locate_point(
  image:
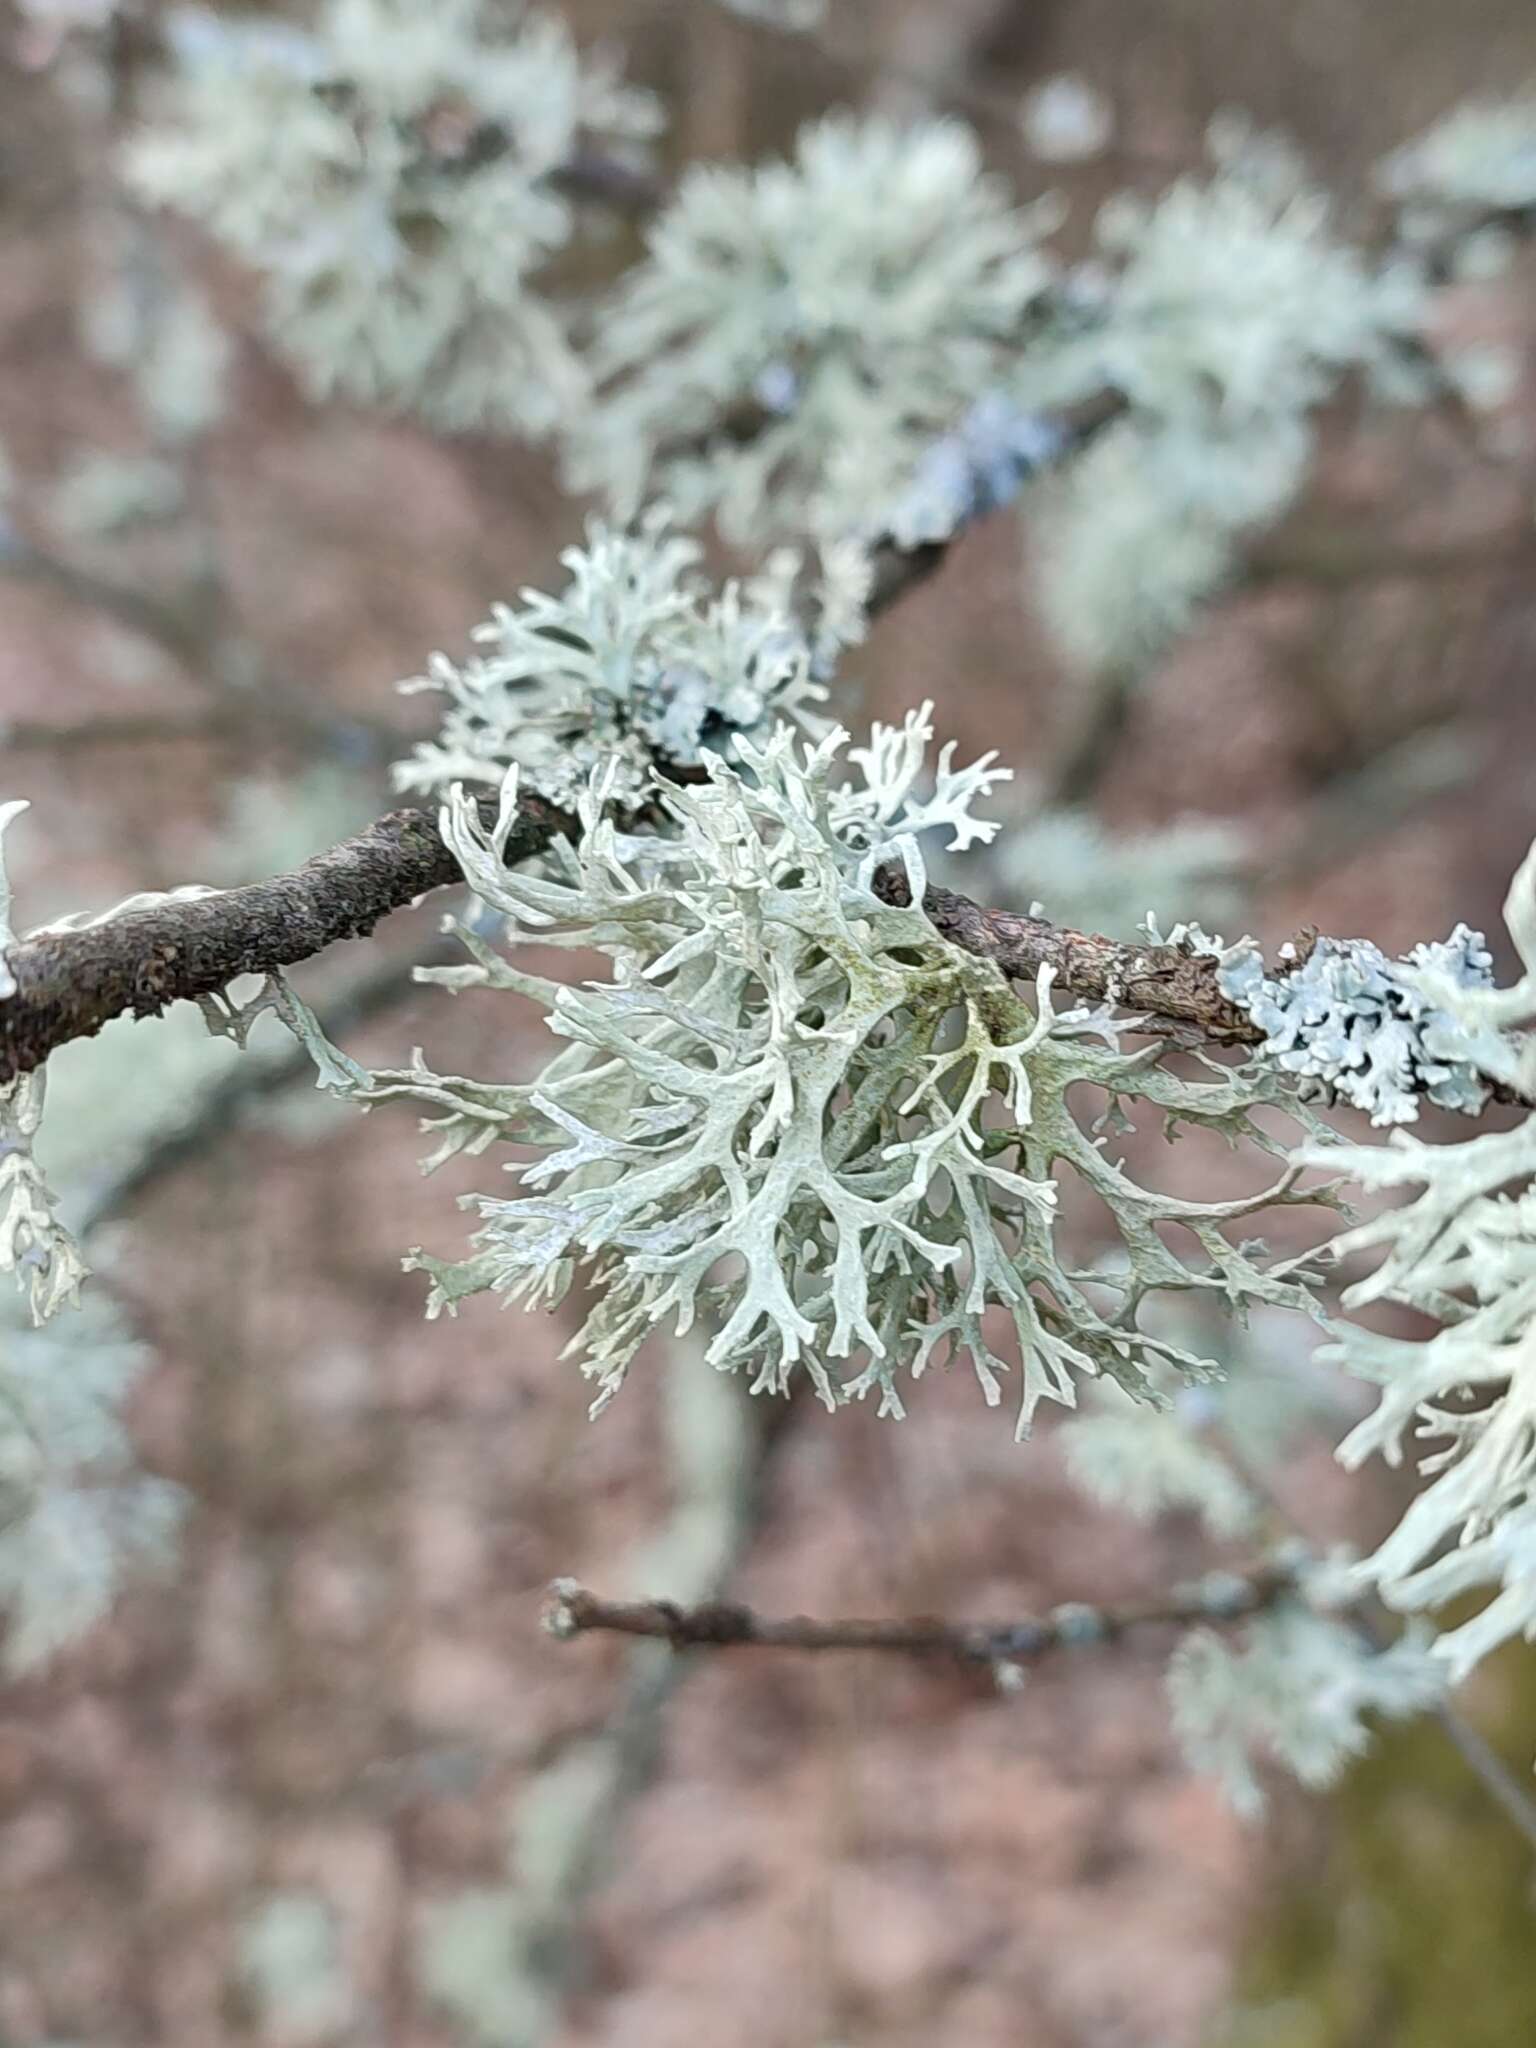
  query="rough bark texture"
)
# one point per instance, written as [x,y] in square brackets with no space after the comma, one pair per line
[70,983]
[1157,981]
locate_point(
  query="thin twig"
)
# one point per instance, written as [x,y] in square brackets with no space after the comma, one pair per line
[1222,1596]
[222,663]
[166,624]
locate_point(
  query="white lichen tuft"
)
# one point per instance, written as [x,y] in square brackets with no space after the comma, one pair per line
[1369,1028]
[1295,1692]
[638,659]
[1236,290]
[1475,164]
[392,175]
[1222,312]
[800,331]
[798,1108]
[1463,1252]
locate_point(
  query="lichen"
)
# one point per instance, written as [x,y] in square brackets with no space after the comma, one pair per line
[391,176]
[1365,1026]
[637,662]
[853,302]
[798,1107]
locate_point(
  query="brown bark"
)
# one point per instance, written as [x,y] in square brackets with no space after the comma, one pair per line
[1156,981]
[70,983]
[571,1610]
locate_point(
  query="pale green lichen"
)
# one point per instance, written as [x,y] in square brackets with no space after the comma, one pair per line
[1223,311]
[1147,525]
[1294,1691]
[1366,1027]
[34,1245]
[77,1516]
[1238,289]
[797,1107]
[392,175]
[853,301]
[1477,161]
[292,1963]
[637,660]
[1145,1460]
[1462,1251]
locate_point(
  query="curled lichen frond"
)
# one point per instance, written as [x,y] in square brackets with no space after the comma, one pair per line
[637,661]
[389,173]
[34,1245]
[1370,1029]
[798,1108]
[1386,1035]
[853,301]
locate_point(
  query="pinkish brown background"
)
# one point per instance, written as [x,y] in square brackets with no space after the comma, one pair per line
[344,1689]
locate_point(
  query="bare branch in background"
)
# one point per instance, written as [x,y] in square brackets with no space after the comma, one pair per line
[1221,1596]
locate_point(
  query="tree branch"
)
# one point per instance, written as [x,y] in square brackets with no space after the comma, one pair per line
[69,983]
[1221,1596]
[1158,981]
[898,569]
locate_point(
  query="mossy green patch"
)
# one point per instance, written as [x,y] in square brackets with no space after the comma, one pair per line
[1414,1924]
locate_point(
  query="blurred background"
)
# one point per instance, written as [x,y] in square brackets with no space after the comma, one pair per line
[326,1781]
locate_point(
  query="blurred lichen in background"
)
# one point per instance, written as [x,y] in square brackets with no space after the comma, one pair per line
[801,1126]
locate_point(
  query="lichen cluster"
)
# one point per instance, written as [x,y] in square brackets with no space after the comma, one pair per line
[798,1107]
[800,331]
[1462,1252]
[637,665]
[393,176]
